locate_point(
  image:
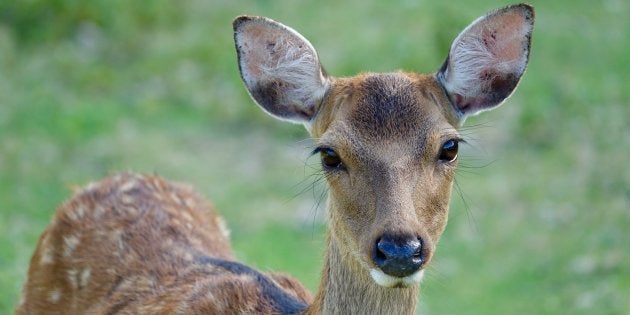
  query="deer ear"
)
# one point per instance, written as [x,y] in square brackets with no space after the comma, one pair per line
[280,68]
[487,59]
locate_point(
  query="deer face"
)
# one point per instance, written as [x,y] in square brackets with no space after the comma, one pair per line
[389,150]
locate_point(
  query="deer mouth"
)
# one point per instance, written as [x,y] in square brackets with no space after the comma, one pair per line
[388,281]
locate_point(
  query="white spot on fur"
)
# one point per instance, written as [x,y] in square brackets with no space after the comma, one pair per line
[84,278]
[72,278]
[47,256]
[177,199]
[70,243]
[76,214]
[187,216]
[132,211]
[98,212]
[218,304]
[116,238]
[137,283]
[167,243]
[190,203]
[71,215]
[225,231]
[54,296]
[90,187]
[157,196]
[47,252]
[128,186]
[126,199]
[386,280]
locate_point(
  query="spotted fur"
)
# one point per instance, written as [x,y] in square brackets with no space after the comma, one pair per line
[152,247]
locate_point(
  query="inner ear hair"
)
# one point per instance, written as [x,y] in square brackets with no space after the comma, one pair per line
[487,59]
[280,68]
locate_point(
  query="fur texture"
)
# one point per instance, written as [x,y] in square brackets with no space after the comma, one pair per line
[136,244]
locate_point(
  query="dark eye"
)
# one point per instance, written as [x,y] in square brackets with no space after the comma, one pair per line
[330,158]
[448,152]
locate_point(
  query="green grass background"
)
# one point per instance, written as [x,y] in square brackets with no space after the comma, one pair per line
[541,220]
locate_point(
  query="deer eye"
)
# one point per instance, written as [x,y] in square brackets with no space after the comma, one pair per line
[330,158]
[448,153]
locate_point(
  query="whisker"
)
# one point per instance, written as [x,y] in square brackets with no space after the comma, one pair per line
[469,214]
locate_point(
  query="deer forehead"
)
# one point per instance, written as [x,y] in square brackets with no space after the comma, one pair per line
[382,114]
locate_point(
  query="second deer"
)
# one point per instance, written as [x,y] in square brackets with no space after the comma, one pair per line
[388,142]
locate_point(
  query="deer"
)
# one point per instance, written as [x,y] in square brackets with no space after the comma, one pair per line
[388,144]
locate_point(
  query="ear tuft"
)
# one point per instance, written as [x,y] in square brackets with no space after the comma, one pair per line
[488,59]
[280,68]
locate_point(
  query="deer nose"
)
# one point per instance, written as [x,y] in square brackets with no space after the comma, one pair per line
[398,256]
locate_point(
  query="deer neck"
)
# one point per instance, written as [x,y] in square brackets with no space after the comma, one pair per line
[347,288]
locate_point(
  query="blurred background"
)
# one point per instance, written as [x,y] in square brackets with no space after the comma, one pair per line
[540,219]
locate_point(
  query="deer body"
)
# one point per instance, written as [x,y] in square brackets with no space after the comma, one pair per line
[388,145]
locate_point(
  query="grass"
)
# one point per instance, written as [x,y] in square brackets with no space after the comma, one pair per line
[540,223]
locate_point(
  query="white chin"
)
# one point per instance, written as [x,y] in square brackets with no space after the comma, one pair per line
[386,280]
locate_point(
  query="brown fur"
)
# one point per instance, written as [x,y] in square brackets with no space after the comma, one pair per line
[133,244]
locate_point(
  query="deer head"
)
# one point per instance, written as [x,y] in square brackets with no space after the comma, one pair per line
[388,142]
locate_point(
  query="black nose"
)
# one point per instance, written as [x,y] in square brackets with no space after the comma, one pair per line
[398,256]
